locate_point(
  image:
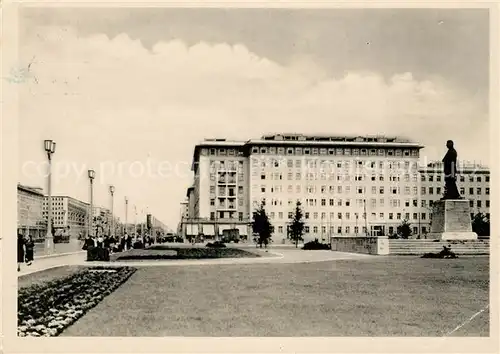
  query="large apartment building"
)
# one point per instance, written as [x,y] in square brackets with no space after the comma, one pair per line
[29,212]
[347,185]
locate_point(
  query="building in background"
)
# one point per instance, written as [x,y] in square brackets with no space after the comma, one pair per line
[30,219]
[218,203]
[473,182]
[70,215]
[347,185]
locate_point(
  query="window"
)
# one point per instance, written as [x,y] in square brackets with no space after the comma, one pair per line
[339,216]
[471,178]
[431,190]
[263,176]
[462,178]
[323,216]
[487,191]
[471,190]
[422,178]
[315,229]
[423,216]
[391,216]
[462,190]
[323,202]
[487,178]
[431,178]
[478,190]
[479,204]
[263,189]
[332,202]
[398,216]
[424,190]
[374,189]
[487,203]
[290,215]
[307,229]
[212,201]
[315,215]
[280,229]
[306,215]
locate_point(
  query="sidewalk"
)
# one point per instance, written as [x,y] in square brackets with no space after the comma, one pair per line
[48,262]
[59,248]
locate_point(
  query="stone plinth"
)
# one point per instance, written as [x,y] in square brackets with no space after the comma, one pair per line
[451,220]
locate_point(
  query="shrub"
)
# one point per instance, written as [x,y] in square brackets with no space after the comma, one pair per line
[216,244]
[316,245]
[446,252]
[138,245]
[46,310]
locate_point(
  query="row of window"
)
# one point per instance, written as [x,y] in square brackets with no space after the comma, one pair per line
[226,203]
[478,190]
[324,189]
[311,176]
[331,165]
[226,191]
[471,178]
[361,202]
[334,151]
[357,230]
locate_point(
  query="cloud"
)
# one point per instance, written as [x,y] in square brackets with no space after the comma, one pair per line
[110,98]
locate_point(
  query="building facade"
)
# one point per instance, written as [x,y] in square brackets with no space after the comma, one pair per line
[473,182]
[30,219]
[349,186]
[70,215]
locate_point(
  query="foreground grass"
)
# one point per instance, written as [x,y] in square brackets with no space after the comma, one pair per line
[393,296]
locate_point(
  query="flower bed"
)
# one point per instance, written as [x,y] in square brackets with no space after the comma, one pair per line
[164,252]
[46,310]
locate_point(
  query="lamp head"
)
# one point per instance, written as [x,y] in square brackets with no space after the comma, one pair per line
[49,146]
[91,174]
[111,189]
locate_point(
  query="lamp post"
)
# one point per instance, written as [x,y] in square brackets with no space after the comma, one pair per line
[112,192]
[91,174]
[126,215]
[50,148]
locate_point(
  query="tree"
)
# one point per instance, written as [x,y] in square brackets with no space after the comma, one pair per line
[481,224]
[404,230]
[297,225]
[262,226]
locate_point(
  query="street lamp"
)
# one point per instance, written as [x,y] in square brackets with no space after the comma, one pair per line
[50,148]
[126,216]
[91,174]
[112,191]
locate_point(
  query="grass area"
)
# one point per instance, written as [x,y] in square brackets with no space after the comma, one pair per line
[387,296]
[165,252]
[45,276]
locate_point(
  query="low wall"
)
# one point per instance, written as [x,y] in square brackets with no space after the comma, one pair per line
[368,245]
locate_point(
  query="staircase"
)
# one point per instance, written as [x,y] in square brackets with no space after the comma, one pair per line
[419,247]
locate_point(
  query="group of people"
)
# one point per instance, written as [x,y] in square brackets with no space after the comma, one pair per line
[99,247]
[25,250]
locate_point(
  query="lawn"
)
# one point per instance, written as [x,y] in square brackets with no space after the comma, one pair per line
[166,252]
[387,296]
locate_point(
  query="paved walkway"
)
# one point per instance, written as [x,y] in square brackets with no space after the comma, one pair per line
[267,257]
[44,263]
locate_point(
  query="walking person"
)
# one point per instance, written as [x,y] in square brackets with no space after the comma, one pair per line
[20,251]
[29,250]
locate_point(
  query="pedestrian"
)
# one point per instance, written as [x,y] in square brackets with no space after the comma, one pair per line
[20,251]
[29,250]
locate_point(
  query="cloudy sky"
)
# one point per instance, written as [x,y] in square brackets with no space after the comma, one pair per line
[129,92]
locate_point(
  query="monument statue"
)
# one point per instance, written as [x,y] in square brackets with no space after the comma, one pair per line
[450,173]
[451,218]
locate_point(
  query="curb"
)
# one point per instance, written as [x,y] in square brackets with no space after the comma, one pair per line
[59,255]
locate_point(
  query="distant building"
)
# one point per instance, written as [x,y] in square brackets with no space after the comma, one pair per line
[30,218]
[70,215]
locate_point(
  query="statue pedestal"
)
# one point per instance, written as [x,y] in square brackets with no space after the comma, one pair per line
[451,220]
